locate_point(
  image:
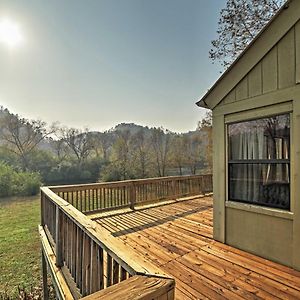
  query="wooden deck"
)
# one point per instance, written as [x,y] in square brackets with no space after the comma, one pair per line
[177,238]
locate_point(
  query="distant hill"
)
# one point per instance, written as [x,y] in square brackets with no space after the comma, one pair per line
[47,144]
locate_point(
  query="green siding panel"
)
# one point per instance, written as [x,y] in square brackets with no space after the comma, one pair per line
[270,72]
[242,89]
[255,81]
[286,60]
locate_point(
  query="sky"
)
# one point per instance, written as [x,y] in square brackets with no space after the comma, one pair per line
[99,63]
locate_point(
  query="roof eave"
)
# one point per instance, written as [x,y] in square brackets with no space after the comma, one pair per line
[202,102]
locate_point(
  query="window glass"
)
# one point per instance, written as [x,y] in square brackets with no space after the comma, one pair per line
[259,157]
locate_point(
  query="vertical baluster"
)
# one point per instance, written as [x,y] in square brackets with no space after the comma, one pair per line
[123,274]
[63,226]
[109,271]
[69,249]
[110,197]
[114,200]
[75,242]
[94,281]
[59,237]
[125,194]
[80,199]
[83,267]
[45,280]
[75,257]
[118,196]
[100,197]
[100,268]
[76,199]
[104,198]
[86,266]
[79,244]
[66,241]
[97,198]
[116,272]
[84,200]
[89,197]
[132,195]
[72,250]
[95,206]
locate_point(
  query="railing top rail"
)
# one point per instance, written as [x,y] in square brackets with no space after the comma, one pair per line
[122,182]
[131,261]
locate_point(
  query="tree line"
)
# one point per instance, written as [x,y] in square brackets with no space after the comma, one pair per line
[62,155]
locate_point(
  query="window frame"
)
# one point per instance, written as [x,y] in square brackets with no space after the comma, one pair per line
[255,114]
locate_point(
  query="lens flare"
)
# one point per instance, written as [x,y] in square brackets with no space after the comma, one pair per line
[10,34]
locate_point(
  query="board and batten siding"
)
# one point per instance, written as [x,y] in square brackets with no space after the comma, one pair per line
[279,69]
[271,87]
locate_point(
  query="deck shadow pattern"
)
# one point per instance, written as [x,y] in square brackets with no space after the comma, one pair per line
[178,239]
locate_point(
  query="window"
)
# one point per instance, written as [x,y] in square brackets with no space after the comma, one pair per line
[259,161]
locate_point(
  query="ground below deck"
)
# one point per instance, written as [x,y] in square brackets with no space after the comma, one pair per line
[177,237]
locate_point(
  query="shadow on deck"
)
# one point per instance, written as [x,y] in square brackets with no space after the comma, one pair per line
[178,239]
[138,224]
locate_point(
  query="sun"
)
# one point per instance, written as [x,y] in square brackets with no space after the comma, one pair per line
[10,34]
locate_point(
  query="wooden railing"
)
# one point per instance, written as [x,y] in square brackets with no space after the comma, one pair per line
[99,196]
[85,258]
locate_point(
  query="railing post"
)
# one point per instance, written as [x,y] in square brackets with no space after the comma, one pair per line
[58,238]
[132,195]
[42,208]
[44,274]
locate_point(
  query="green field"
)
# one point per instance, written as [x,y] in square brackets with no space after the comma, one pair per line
[19,244]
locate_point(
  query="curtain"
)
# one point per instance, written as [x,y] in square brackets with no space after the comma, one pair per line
[248,145]
[262,139]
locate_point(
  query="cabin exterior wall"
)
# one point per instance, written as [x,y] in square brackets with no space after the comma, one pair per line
[270,88]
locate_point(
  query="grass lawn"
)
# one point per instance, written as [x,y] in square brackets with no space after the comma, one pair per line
[19,243]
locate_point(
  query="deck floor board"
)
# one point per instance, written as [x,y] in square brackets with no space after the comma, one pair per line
[177,237]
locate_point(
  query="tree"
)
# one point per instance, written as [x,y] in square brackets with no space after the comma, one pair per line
[61,149]
[121,160]
[178,152]
[21,136]
[102,142]
[140,154]
[206,125]
[79,142]
[160,142]
[194,151]
[240,21]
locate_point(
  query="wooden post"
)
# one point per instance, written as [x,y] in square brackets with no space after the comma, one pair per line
[45,281]
[132,195]
[42,208]
[58,238]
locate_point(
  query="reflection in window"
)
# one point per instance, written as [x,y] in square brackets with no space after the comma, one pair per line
[259,161]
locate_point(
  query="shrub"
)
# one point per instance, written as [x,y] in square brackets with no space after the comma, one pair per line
[29,183]
[13,183]
[7,176]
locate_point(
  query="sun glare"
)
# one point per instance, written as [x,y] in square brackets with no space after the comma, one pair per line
[10,33]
